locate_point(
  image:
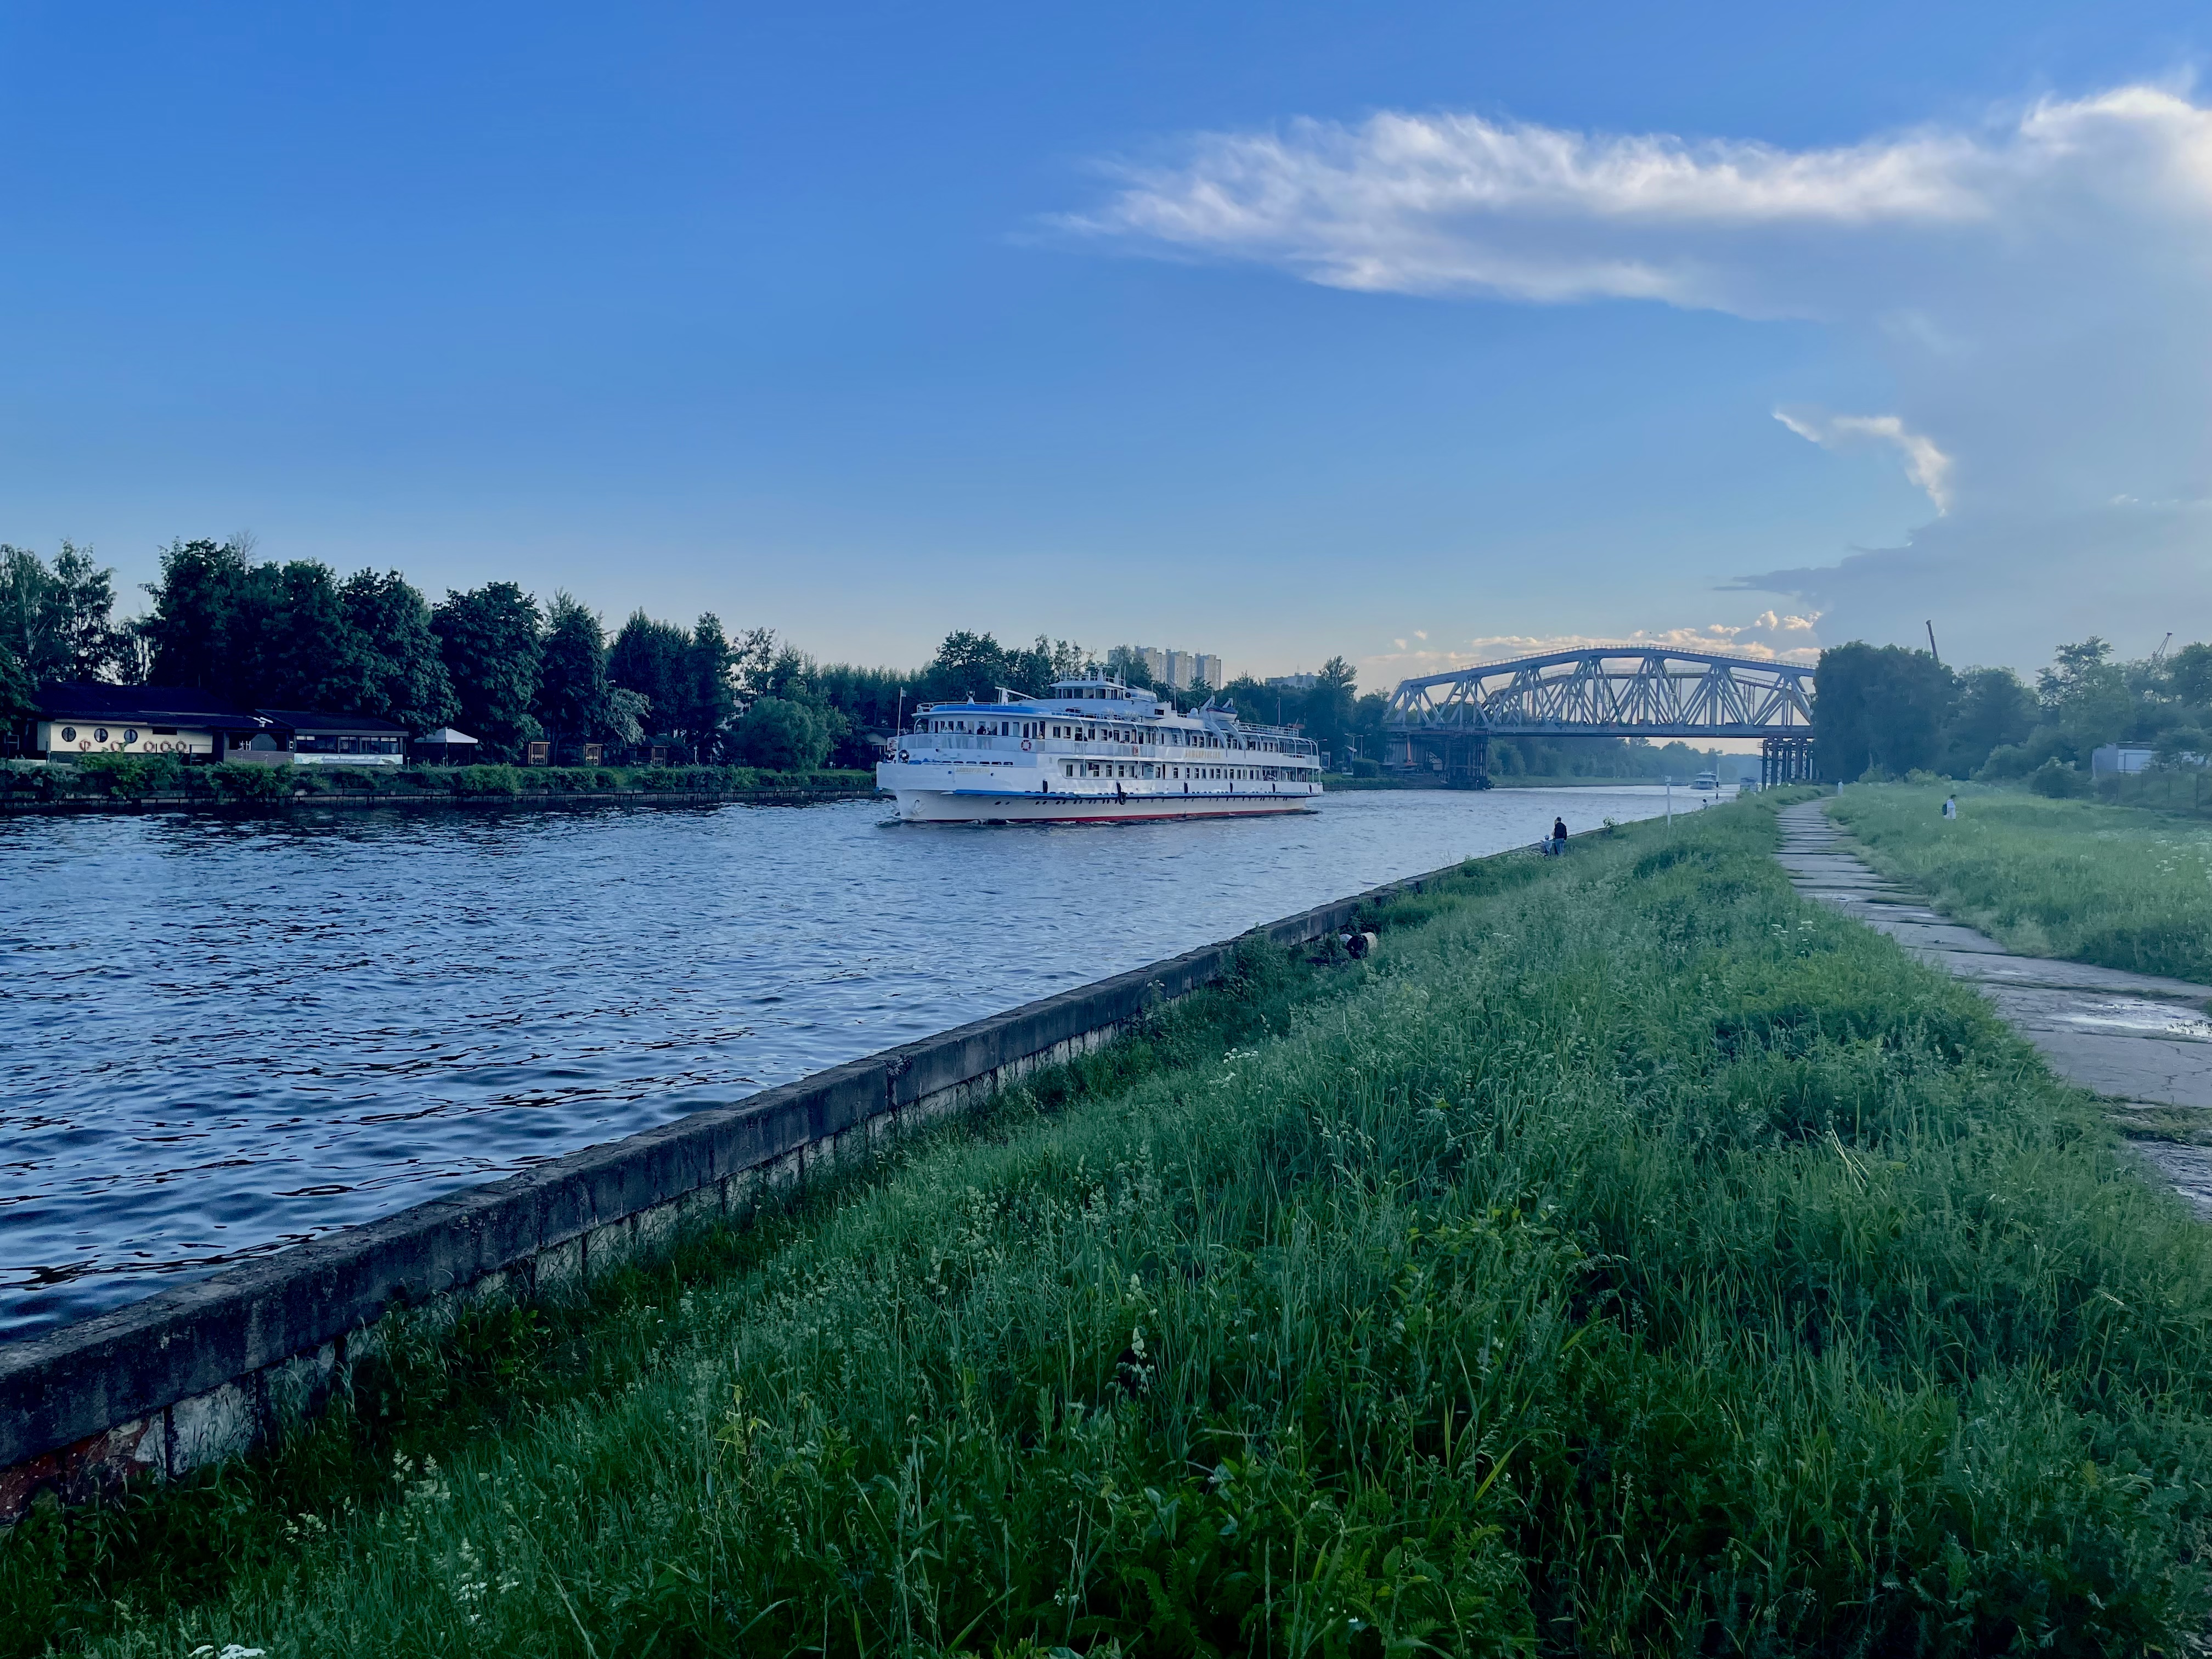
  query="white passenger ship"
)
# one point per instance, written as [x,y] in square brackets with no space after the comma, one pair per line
[1094,749]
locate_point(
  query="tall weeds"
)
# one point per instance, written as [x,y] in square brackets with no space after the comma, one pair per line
[2112,885]
[1627,1258]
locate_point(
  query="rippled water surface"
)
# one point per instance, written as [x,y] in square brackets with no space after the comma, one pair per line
[221,1037]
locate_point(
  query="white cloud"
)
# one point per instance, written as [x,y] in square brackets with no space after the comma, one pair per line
[2038,286]
[1924,463]
[1446,204]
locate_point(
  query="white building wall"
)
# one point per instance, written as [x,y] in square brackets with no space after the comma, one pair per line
[96,738]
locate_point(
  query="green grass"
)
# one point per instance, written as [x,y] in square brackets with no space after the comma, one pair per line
[1628,1258]
[2069,878]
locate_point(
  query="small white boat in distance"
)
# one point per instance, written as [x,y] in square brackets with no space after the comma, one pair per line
[1093,749]
[1708,783]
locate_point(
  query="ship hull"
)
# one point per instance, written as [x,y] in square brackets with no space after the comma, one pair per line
[964,807]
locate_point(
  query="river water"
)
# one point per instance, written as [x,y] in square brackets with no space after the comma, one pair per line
[220,1037]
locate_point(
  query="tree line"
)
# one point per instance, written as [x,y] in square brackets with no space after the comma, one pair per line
[1886,711]
[491,661]
[511,671]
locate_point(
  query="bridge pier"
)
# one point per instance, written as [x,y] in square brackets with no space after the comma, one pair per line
[1462,757]
[1785,760]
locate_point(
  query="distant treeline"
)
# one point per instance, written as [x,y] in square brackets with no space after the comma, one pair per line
[511,671]
[1885,711]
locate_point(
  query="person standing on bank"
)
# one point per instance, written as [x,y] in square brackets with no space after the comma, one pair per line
[1559,834]
[1950,806]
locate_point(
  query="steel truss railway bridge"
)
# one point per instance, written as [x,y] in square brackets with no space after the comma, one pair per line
[1445,722]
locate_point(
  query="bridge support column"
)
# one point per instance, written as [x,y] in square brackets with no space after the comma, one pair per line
[1466,760]
[1785,760]
[1461,758]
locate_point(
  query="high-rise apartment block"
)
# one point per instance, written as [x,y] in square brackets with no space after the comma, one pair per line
[1183,670]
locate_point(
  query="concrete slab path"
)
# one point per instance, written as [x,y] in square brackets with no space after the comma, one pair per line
[2142,1043]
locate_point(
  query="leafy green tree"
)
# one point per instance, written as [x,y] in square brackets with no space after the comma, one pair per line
[1256,701]
[308,654]
[968,668]
[2086,696]
[2189,675]
[574,703]
[755,661]
[788,673]
[27,653]
[489,639]
[626,713]
[710,689]
[1033,670]
[1994,710]
[1326,710]
[648,659]
[80,617]
[782,735]
[400,676]
[872,699]
[58,623]
[210,620]
[18,690]
[1879,710]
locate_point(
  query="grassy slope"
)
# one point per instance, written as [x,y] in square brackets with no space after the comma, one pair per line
[2052,877]
[1634,1259]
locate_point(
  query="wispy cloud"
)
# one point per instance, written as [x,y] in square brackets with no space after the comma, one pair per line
[2036,286]
[1924,463]
[1443,204]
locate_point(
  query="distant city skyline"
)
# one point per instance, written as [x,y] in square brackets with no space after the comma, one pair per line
[1180,671]
[1418,335]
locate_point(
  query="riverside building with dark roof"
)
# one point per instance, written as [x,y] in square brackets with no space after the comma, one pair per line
[340,739]
[87,717]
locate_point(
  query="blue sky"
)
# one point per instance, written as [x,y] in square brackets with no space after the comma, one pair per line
[1180,325]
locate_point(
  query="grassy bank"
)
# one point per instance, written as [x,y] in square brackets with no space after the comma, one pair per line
[1628,1257]
[2070,879]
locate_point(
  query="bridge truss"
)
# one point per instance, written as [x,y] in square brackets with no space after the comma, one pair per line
[1445,721]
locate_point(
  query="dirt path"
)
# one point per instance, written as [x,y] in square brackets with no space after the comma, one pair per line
[2142,1043]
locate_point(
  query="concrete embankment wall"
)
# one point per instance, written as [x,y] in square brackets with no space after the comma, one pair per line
[201,1372]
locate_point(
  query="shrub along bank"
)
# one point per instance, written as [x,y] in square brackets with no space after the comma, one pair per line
[2106,884]
[1626,1257]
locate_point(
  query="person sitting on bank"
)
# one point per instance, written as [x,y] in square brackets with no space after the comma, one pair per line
[1950,806]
